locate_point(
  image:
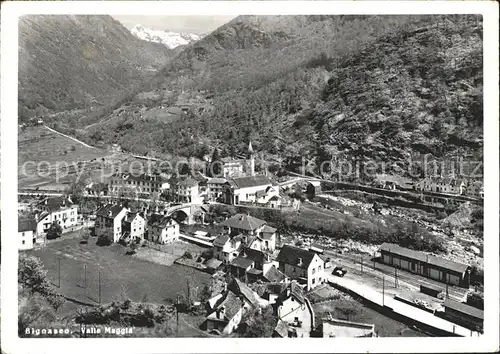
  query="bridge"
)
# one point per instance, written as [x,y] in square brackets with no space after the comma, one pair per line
[189,210]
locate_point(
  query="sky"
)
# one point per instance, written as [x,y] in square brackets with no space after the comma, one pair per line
[191,24]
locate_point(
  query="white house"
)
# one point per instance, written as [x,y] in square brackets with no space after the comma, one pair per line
[296,311]
[139,183]
[250,189]
[164,230]
[26,231]
[109,221]
[226,248]
[60,210]
[302,265]
[187,191]
[215,188]
[133,225]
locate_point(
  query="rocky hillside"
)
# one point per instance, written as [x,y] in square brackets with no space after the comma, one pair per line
[362,87]
[74,62]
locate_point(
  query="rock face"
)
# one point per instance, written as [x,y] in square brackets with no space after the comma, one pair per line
[70,62]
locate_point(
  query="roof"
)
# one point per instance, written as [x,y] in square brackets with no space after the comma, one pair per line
[274,275]
[243,222]
[241,288]
[231,160]
[281,328]
[315,183]
[291,255]
[260,193]
[213,263]
[143,177]
[188,182]
[255,255]
[464,308]
[56,203]
[216,181]
[268,230]
[26,225]
[165,221]
[250,148]
[113,208]
[316,247]
[422,257]
[242,262]
[231,304]
[254,271]
[221,240]
[251,181]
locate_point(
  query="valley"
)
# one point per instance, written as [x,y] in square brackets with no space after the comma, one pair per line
[276,159]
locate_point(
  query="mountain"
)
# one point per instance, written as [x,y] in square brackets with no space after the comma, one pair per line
[170,39]
[77,62]
[386,89]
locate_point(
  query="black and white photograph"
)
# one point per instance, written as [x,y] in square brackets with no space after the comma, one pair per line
[252,176]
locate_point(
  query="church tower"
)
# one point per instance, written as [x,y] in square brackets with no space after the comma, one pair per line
[251,162]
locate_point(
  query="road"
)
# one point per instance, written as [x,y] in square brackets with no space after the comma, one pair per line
[69,137]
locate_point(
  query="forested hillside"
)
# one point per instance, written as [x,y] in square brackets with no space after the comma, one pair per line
[321,87]
[78,62]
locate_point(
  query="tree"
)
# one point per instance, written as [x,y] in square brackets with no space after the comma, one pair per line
[259,323]
[34,311]
[133,247]
[85,235]
[205,294]
[215,164]
[187,255]
[54,231]
[33,278]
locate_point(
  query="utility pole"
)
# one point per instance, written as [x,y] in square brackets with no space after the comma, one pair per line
[383,290]
[447,281]
[374,255]
[99,275]
[395,277]
[59,271]
[177,313]
[361,258]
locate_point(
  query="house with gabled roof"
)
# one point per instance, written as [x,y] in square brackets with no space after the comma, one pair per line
[244,189]
[61,210]
[109,221]
[26,232]
[187,190]
[302,265]
[243,224]
[164,230]
[227,248]
[133,225]
[228,310]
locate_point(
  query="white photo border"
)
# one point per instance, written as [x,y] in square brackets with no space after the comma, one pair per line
[489,342]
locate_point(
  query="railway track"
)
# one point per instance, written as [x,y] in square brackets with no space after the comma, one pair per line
[412,281]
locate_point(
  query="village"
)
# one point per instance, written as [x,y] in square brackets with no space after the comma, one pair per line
[206,224]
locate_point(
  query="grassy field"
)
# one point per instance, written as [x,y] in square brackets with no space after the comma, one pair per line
[122,276]
[37,144]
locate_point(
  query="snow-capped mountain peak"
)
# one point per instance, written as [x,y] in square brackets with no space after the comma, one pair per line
[168,38]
